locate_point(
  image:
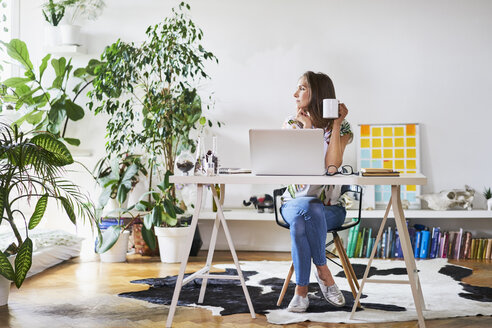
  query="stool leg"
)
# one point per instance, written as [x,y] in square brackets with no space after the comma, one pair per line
[286,284]
[345,265]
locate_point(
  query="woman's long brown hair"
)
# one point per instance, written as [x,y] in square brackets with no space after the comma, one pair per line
[321,88]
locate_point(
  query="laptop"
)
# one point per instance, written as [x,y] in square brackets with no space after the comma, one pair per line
[287,152]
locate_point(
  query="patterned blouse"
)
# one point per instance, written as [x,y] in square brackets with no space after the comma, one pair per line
[330,194]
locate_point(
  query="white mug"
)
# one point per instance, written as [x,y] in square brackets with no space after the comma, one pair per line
[330,108]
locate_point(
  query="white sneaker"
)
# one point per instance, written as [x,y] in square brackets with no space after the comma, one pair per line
[331,293]
[298,304]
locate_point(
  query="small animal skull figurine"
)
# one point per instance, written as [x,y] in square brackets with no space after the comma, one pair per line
[447,199]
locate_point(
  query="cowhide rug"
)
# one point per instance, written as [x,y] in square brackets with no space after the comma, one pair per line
[444,293]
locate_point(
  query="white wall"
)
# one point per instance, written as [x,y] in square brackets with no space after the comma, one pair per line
[420,61]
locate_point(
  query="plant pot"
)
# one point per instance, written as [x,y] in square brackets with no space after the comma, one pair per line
[117,253]
[172,243]
[489,204]
[5,285]
[140,244]
[51,35]
[70,34]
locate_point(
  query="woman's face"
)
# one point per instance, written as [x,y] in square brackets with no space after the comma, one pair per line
[303,93]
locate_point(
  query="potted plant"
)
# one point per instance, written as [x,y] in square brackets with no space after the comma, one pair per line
[117,177]
[53,13]
[31,168]
[48,106]
[116,181]
[78,10]
[149,91]
[488,196]
[164,219]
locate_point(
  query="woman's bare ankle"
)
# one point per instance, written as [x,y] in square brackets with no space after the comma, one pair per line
[301,290]
[325,275]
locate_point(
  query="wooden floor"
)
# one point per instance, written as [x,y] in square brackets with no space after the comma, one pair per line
[83,294]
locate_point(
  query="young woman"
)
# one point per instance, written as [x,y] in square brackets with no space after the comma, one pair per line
[313,210]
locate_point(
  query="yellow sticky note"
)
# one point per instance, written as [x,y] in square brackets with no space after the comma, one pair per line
[388,164]
[376,142]
[411,142]
[388,132]
[365,143]
[399,131]
[399,142]
[411,153]
[376,132]
[399,164]
[411,171]
[411,164]
[365,130]
[388,142]
[376,153]
[399,153]
[410,129]
[411,188]
[388,153]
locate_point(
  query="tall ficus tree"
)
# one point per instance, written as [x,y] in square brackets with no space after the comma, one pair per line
[149,89]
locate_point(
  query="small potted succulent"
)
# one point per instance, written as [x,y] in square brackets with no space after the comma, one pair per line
[488,196]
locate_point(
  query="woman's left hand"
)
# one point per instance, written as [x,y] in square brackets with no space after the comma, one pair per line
[342,113]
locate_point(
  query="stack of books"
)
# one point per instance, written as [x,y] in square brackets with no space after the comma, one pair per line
[372,172]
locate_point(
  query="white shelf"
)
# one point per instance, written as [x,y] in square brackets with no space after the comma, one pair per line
[241,214]
[430,214]
[66,49]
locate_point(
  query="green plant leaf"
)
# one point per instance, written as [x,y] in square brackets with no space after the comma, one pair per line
[34,117]
[15,82]
[148,220]
[2,207]
[157,215]
[60,152]
[104,197]
[130,172]
[23,262]
[203,120]
[6,269]
[44,65]
[68,209]
[122,193]
[59,65]
[74,111]
[149,237]
[72,141]
[109,238]
[38,211]
[169,206]
[17,50]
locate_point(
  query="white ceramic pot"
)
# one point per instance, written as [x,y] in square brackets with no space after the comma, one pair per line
[172,243]
[117,253]
[70,34]
[51,35]
[489,204]
[5,285]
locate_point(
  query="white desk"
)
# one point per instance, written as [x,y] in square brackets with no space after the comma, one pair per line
[205,181]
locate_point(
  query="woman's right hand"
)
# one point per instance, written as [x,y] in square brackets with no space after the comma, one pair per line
[303,117]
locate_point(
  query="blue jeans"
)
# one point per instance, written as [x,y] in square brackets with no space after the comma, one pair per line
[309,220]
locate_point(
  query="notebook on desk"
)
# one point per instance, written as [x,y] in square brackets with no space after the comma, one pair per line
[287,152]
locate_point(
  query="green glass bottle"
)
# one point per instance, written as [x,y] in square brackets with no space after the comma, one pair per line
[214,205]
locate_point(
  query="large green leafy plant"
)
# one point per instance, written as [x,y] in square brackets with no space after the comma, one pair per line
[32,168]
[150,92]
[47,106]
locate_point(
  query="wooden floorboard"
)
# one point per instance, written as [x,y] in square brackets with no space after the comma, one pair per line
[83,294]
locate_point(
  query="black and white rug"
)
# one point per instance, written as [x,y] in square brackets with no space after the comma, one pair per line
[444,293]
